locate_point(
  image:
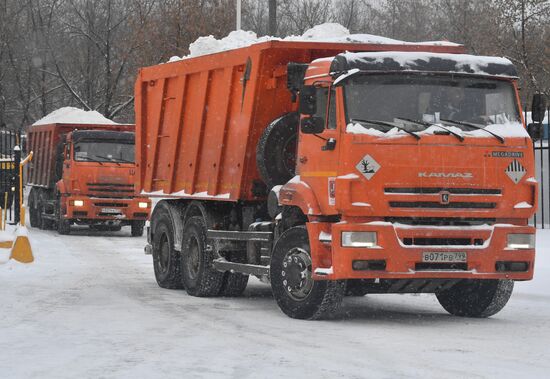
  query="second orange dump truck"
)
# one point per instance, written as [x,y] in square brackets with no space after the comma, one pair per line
[83,174]
[335,168]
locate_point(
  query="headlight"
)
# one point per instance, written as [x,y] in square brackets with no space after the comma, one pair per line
[521,241]
[359,239]
[142,204]
[78,203]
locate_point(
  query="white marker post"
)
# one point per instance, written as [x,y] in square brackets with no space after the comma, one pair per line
[239,14]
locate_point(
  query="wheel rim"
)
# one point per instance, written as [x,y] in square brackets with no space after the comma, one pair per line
[296,274]
[164,250]
[193,258]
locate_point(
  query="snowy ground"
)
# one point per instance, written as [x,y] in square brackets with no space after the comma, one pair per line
[89,307]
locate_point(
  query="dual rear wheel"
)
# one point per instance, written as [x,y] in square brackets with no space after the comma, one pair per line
[191,268]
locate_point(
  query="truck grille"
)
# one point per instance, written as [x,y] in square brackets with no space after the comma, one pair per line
[441,221]
[436,190]
[431,241]
[436,205]
[111,189]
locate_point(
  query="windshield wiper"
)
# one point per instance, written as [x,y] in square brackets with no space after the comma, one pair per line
[88,159]
[427,124]
[388,124]
[107,159]
[474,126]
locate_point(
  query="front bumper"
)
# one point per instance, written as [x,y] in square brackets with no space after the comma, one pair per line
[395,258]
[107,209]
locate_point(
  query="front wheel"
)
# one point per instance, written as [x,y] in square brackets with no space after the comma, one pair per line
[297,294]
[476,298]
[137,228]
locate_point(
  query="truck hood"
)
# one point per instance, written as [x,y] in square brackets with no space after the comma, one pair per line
[436,176]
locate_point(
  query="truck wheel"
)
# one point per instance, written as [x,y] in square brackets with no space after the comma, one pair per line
[34,214]
[233,284]
[276,151]
[476,298]
[199,278]
[297,294]
[137,228]
[166,260]
[356,287]
[45,223]
[63,226]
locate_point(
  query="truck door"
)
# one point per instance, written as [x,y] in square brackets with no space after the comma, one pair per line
[318,153]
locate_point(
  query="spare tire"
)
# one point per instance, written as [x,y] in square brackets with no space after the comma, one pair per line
[276,151]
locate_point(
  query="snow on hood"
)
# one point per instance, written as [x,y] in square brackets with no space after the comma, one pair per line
[71,115]
[328,32]
[505,130]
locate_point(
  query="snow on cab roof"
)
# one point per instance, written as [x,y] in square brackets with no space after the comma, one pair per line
[71,115]
[423,61]
[328,32]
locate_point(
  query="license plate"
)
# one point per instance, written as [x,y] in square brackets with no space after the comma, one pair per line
[110,210]
[444,257]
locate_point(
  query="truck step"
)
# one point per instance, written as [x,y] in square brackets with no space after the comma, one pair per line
[221,264]
[240,236]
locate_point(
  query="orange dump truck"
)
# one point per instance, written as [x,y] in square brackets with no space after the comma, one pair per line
[335,168]
[84,174]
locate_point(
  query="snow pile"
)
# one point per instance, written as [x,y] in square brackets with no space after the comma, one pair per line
[328,32]
[71,115]
[463,63]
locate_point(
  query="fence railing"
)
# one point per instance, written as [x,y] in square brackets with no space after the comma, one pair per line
[10,157]
[541,219]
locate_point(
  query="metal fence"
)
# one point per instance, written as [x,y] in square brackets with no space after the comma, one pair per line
[10,156]
[541,218]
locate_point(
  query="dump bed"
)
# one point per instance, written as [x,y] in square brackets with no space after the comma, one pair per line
[198,120]
[43,141]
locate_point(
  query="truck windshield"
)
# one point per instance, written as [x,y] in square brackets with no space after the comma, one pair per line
[104,151]
[430,98]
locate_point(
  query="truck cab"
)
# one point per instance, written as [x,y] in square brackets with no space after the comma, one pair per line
[430,173]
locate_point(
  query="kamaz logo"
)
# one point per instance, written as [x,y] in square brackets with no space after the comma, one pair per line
[463,175]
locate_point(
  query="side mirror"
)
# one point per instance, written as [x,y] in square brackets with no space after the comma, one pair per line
[312,125]
[308,100]
[535,131]
[538,107]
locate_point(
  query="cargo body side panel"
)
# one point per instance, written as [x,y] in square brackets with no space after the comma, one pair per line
[198,120]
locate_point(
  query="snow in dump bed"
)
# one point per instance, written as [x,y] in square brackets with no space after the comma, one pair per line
[328,32]
[463,63]
[71,115]
[504,130]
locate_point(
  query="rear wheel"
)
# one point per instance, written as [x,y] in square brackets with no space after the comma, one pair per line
[476,298]
[199,277]
[166,260]
[45,208]
[137,228]
[34,214]
[357,287]
[234,283]
[297,294]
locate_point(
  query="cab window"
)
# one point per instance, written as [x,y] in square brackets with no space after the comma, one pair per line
[322,100]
